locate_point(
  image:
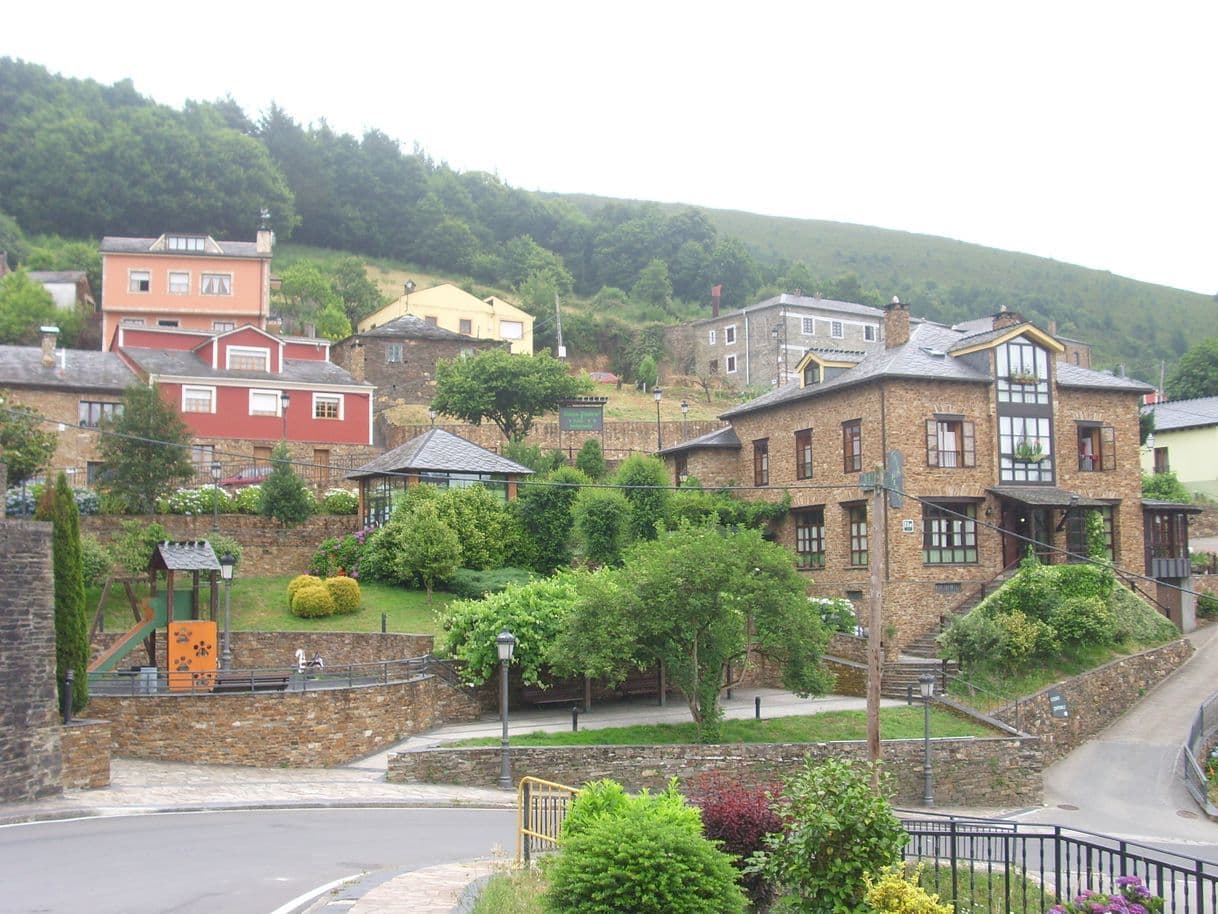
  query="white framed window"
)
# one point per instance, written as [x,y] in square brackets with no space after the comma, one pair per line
[327,406]
[511,330]
[216,284]
[179,282]
[247,358]
[184,242]
[836,330]
[222,326]
[730,363]
[393,352]
[264,403]
[870,332]
[198,399]
[807,326]
[133,322]
[139,281]
[711,337]
[729,335]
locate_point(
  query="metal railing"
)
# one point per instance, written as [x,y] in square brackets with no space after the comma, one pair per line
[541,808]
[988,703]
[1200,735]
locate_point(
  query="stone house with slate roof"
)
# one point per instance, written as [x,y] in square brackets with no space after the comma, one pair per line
[436,457]
[997,437]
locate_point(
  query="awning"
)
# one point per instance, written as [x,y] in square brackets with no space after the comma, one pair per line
[1049,497]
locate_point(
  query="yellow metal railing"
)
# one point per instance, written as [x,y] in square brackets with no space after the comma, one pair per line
[541,808]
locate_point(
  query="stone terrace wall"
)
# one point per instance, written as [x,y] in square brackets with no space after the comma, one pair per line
[1094,699]
[968,772]
[268,729]
[30,760]
[86,753]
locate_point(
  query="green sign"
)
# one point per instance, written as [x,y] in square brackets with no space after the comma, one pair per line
[581,418]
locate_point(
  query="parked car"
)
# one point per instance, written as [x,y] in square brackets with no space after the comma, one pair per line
[248,477]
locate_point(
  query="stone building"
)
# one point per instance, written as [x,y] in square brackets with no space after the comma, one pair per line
[996,437]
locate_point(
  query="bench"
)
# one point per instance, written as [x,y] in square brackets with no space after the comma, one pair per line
[251,682]
[639,683]
[563,692]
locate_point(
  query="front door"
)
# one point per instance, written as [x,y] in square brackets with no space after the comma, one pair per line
[1021,523]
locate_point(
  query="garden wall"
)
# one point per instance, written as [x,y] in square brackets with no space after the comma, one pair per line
[314,729]
[1003,771]
[1094,699]
[86,753]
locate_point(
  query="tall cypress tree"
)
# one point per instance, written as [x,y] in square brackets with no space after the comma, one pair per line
[71,626]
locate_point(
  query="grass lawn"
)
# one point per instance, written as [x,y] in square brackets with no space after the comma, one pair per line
[261,604]
[895,723]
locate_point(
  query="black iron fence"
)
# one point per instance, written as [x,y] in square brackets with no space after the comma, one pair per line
[1195,757]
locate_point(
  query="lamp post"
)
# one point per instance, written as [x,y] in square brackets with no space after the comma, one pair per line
[926,685]
[215,496]
[284,399]
[431,414]
[408,285]
[227,562]
[506,643]
[659,437]
[685,419]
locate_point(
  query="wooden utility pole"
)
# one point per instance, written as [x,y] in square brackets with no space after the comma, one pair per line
[562,350]
[876,527]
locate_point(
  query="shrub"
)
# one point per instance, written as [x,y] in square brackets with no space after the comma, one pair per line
[313,601]
[339,555]
[837,614]
[1024,637]
[284,496]
[428,550]
[195,501]
[95,560]
[601,518]
[345,593]
[87,502]
[221,543]
[531,456]
[738,817]
[470,584]
[836,830]
[1082,581]
[1033,590]
[545,513]
[1082,620]
[649,496]
[339,501]
[248,499]
[1129,892]
[301,580]
[133,547]
[896,892]
[1207,606]
[1165,487]
[591,460]
[973,639]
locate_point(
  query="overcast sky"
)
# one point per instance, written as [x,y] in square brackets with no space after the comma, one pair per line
[1080,131]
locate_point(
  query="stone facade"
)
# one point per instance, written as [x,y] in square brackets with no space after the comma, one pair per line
[1001,771]
[86,754]
[408,381]
[268,729]
[30,759]
[1094,699]
[75,448]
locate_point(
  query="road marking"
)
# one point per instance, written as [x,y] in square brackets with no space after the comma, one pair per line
[300,900]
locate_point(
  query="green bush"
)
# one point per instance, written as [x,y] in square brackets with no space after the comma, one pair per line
[134,545]
[973,639]
[837,613]
[591,460]
[470,584]
[345,592]
[339,501]
[1207,606]
[1082,620]
[221,543]
[1082,581]
[196,502]
[248,499]
[338,555]
[648,495]
[544,510]
[601,524]
[1033,591]
[301,580]
[1025,637]
[896,892]
[313,601]
[96,560]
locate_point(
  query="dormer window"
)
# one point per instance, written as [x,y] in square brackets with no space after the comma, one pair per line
[247,358]
[1022,371]
[811,374]
[195,243]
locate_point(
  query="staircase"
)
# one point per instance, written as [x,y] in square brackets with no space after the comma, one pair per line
[927,645]
[899,676]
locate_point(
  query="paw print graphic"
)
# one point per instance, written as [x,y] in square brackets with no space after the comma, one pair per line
[203,648]
[182,664]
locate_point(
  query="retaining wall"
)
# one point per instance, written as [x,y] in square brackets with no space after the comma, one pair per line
[86,753]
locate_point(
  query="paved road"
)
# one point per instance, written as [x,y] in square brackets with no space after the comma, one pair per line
[247,862]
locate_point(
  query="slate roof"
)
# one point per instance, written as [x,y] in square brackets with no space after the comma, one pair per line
[410,327]
[1047,497]
[1171,506]
[72,276]
[115,245]
[800,301]
[1178,414]
[441,451]
[838,355]
[179,363]
[724,437]
[82,369]
[191,555]
[1076,376]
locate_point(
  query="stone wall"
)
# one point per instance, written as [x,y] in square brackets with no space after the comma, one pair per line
[1205,523]
[30,761]
[267,729]
[968,772]
[1094,699]
[86,754]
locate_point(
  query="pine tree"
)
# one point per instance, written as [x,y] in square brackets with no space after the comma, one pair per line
[284,496]
[71,627]
[147,454]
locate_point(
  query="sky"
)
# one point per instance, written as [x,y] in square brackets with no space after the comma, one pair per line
[1081,131]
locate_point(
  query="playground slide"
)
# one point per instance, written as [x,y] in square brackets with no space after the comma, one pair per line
[110,658]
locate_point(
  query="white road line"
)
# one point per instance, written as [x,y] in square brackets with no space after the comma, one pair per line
[300,900]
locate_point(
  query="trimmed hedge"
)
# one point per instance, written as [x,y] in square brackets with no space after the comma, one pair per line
[346,595]
[313,601]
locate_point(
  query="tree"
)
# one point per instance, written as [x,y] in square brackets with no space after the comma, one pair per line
[24,307]
[145,450]
[284,496]
[429,548]
[58,506]
[653,285]
[544,508]
[510,390]
[360,295]
[332,323]
[646,485]
[305,292]
[601,518]
[24,447]
[1196,374]
[591,459]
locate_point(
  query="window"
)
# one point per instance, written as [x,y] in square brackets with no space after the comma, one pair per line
[139,281]
[93,412]
[222,326]
[165,322]
[184,242]
[327,406]
[729,335]
[247,358]
[133,322]
[1025,449]
[466,325]
[811,374]
[393,352]
[870,332]
[508,330]
[1096,447]
[836,330]
[1162,465]
[730,363]
[1076,533]
[810,538]
[761,462]
[950,443]
[1022,370]
[852,446]
[711,336]
[179,283]
[264,403]
[216,284]
[949,534]
[435,321]
[857,518]
[803,454]
[713,368]
[198,399]
[93,471]
[1168,534]
[807,326]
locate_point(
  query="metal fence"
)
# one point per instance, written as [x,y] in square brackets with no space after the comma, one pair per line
[541,808]
[1199,736]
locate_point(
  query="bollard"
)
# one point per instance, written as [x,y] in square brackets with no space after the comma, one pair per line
[575,719]
[384,622]
[757,708]
[66,700]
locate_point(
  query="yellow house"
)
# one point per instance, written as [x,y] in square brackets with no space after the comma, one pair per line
[452,308]
[1185,441]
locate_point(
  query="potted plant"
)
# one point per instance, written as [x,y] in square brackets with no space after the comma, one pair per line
[1029,450]
[1024,377]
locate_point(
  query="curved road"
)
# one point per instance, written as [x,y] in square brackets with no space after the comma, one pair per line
[245,862]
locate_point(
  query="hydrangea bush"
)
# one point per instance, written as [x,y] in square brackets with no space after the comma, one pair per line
[1131,897]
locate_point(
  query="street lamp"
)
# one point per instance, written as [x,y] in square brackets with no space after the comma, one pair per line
[215,496]
[926,685]
[227,562]
[284,400]
[408,285]
[659,437]
[506,643]
[685,419]
[431,414]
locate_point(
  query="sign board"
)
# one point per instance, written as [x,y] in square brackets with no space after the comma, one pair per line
[581,418]
[1057,703]
[907,526]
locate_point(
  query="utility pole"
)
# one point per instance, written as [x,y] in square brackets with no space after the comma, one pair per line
[562,350]
[876,524]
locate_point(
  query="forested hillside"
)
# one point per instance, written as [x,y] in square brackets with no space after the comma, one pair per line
[79,160]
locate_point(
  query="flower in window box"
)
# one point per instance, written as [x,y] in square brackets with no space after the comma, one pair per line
[1024,377]
[1028,451]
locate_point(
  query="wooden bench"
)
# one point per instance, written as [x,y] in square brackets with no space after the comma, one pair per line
[564,692]
[251,682]
[639,683]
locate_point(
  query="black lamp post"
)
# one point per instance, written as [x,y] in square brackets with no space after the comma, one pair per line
[284,400]
[506,643]
[215,496]
[408,285]
[431,414]
[227,562]
[659,437]
[926,685]
[685,419]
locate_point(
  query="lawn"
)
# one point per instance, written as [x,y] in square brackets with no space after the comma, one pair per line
[829,726]
[260,604]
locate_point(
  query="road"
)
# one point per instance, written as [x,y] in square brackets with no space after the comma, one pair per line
[241,862]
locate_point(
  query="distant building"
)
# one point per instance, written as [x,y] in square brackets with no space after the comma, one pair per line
[69,288]
[1185,440]
[452,308]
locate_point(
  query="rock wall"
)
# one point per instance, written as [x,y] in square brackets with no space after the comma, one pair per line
[86,754]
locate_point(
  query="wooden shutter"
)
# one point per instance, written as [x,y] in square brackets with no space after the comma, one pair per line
[969,447]
[1108,448]
[847,455]
[932,443]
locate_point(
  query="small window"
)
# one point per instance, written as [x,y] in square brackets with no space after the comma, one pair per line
[327,406]
[216,284]
[508,330]
[730,364]
[852,446]
[466,326]
[93,471]
[729,335]
[950,443]
[262,454]
[711,337]
[179,283]
[713,366]
[811,374]
[803,454]
[807,326]
[133,322]
[166,323]
[870,332]
[184,242]
[810,538]
[836,330]
[247,358]
[198,399]
[1096,448]
[1162,464]
[92,413]
[393,352]
[857,518]
[140,281]
[761,462]
[949,534]
[222,326]
[264,403]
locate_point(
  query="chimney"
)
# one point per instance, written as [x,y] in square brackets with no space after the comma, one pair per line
[1052,328]
[716,296]
[49,335]
[896,324]
[264,241]
[1005,318]
[357,360]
